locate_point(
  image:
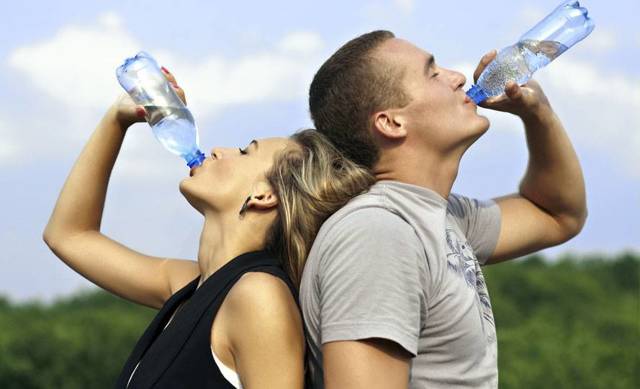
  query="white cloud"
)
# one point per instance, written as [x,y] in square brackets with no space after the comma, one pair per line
[81,62]
[9,147]
[405,5]
[303,43]
[532,14]
[75,68]
[77,65]
[599,109]
[280,73]
[600,41]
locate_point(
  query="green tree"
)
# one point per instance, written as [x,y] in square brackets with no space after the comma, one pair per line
[570,323]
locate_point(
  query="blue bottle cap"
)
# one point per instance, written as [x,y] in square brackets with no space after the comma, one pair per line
[194,159]
[477,94]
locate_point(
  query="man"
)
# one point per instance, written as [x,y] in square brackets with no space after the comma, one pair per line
[392,293]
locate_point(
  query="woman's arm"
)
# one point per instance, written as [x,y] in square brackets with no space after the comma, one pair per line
[73,230]
[265,333]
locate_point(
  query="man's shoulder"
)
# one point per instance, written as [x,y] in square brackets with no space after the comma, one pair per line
[362,227]
[366,212]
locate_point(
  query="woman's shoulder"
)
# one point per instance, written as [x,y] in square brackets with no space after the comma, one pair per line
[264,313]
[260,293]
[263,328]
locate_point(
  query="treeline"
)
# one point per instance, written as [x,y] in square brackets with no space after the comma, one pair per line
[571,323]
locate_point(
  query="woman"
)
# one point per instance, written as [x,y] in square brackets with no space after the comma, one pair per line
[231,318]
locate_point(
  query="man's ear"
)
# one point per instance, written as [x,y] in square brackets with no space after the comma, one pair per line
[390,124]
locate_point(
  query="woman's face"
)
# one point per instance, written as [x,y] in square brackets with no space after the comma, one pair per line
[224,180]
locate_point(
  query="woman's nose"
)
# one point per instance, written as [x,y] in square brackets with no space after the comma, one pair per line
[221,152]
[216,153]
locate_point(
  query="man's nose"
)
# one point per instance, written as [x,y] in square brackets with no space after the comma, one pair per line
[457,79]
[460,79]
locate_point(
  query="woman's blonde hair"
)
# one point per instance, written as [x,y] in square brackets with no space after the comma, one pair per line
[312,182]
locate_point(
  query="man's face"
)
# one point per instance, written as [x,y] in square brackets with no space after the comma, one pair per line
[440,116]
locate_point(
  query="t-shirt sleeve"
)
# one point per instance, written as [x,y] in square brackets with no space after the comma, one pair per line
[479,221]
[371,279]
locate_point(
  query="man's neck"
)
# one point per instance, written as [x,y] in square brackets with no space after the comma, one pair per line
[427,171]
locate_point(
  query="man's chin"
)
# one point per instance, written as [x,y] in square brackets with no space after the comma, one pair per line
[479,128]
[483,124]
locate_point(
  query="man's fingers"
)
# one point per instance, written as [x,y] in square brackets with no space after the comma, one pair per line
[484,61]
[513,90]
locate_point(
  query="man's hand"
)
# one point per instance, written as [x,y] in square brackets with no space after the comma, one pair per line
[525,101]
[550,206]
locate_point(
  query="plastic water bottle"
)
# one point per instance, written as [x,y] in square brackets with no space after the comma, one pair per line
[169,118]
[567,25]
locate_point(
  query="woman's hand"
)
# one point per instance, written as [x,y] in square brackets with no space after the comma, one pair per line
[127,112]
[73,231]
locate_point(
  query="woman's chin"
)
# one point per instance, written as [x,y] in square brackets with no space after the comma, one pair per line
[188,194]
[184,187]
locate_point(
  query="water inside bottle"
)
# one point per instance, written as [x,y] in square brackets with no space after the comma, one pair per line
[518,63]
[174,128]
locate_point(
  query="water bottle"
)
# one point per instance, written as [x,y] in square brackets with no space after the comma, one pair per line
[567,25]
[169,118]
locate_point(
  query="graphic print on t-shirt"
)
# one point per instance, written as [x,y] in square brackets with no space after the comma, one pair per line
[462,261]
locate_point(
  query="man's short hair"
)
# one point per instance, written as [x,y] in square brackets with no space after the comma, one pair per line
[347,89]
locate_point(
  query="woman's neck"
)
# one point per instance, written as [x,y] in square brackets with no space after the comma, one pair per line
[223,240]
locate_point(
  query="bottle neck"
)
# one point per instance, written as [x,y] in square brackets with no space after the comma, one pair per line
[477,94]
[194,158]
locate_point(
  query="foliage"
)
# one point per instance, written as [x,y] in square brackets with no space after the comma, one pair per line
[574,323]
[570,323]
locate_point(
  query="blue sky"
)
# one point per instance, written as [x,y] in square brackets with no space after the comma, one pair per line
[246,67]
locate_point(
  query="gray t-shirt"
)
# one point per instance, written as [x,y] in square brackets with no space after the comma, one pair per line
[402,263]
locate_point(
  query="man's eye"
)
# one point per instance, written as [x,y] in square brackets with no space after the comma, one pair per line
[242,151]
[435,75]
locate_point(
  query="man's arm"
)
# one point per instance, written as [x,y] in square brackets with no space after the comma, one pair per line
[550,207]
[371,281]
[365,364]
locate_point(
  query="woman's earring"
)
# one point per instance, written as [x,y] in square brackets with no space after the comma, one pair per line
[245,206]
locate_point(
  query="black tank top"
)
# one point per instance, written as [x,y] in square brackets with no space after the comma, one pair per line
[180,356]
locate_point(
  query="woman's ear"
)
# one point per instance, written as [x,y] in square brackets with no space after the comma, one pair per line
[390,124]
[263,200]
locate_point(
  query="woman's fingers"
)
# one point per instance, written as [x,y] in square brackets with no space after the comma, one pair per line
[168,75]
[141,112]
[174,84]
[180,93]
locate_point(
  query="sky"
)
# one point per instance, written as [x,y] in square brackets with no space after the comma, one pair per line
[246,67]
